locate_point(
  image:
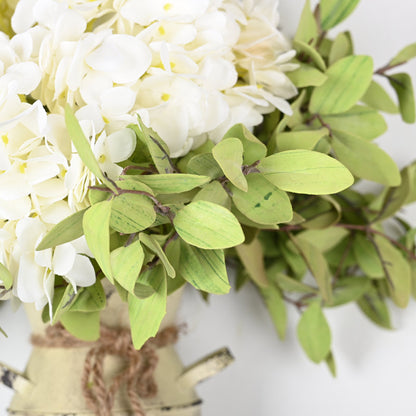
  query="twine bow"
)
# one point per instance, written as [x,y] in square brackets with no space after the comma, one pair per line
[137,375]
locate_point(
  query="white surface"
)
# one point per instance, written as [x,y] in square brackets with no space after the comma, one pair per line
[376,368]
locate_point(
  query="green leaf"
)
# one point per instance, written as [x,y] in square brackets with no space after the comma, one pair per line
[307,28]
[307,76]
[131,213]
[63,298]
[317,265]
[204,269]
[90,299]
[207,225]
[173,183]
[334,12]
[83,325]
[6,277]
[348,80]
[126,263]
[359,121]
[367,258]
[311,52]
[407,53]
[288,284]
[214,192]
[96,195]
[96,224]
[134,183]
[158,149]
[330,362]
[263,203]
[229,155]
[374,307]
[398,269]
[341,48]
[377,97]
[306,172]
[147,314]
[314,333]
[277,309]
[365,160]
[67,230]
[402,84]
[302,139]
[252,257]
[204,165]
[325,239]
[150,242]
[349,289]
[83,146]
[254,149]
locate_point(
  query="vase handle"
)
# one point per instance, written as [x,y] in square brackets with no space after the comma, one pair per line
[206,367]
[12,378]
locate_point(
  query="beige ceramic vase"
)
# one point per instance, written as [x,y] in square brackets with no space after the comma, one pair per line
[51,384]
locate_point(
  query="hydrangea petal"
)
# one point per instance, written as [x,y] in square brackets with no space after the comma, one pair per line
[63,259]
[82,272]
[121,144]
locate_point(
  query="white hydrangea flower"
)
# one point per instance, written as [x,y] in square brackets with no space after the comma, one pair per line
[191,69]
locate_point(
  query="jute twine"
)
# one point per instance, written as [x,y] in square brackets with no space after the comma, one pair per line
[137,375]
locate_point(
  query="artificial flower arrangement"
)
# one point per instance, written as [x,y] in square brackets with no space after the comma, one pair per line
[147,145]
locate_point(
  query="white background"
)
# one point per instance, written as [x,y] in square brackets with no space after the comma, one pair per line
[376,368]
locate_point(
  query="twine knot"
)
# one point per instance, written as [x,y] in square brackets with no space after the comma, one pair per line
[138,374]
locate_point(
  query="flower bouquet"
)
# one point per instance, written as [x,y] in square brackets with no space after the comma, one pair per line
[146,146]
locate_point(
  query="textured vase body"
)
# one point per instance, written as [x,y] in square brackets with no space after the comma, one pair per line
[51,384]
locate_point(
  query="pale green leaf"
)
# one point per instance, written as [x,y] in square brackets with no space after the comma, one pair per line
[204,269]
[375,309]
[311,52]
[252,257]
[83,146]
[67,230]
[367,258]
[96,224]
[377,97]
[229,155]
[263,203]
[131,213]
[307,76]
[6,277]
[147,314]
[207,225]
[288,284]
[365,160]
[204,165]
[254,149]
[330,362]
[325,239]
[307,28]
[348,80]
[306,172]
[173,183]
[349,289]
[402,84]
[341,48]
[334,12]
[360,121]
[83,325]
[90,299]
[277,309]
[314,333]
[158,149]
[398,270]
[126,263]
[214,192]
[63,298]
[150,242]
[317,265]
[407,53]
[299,139]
